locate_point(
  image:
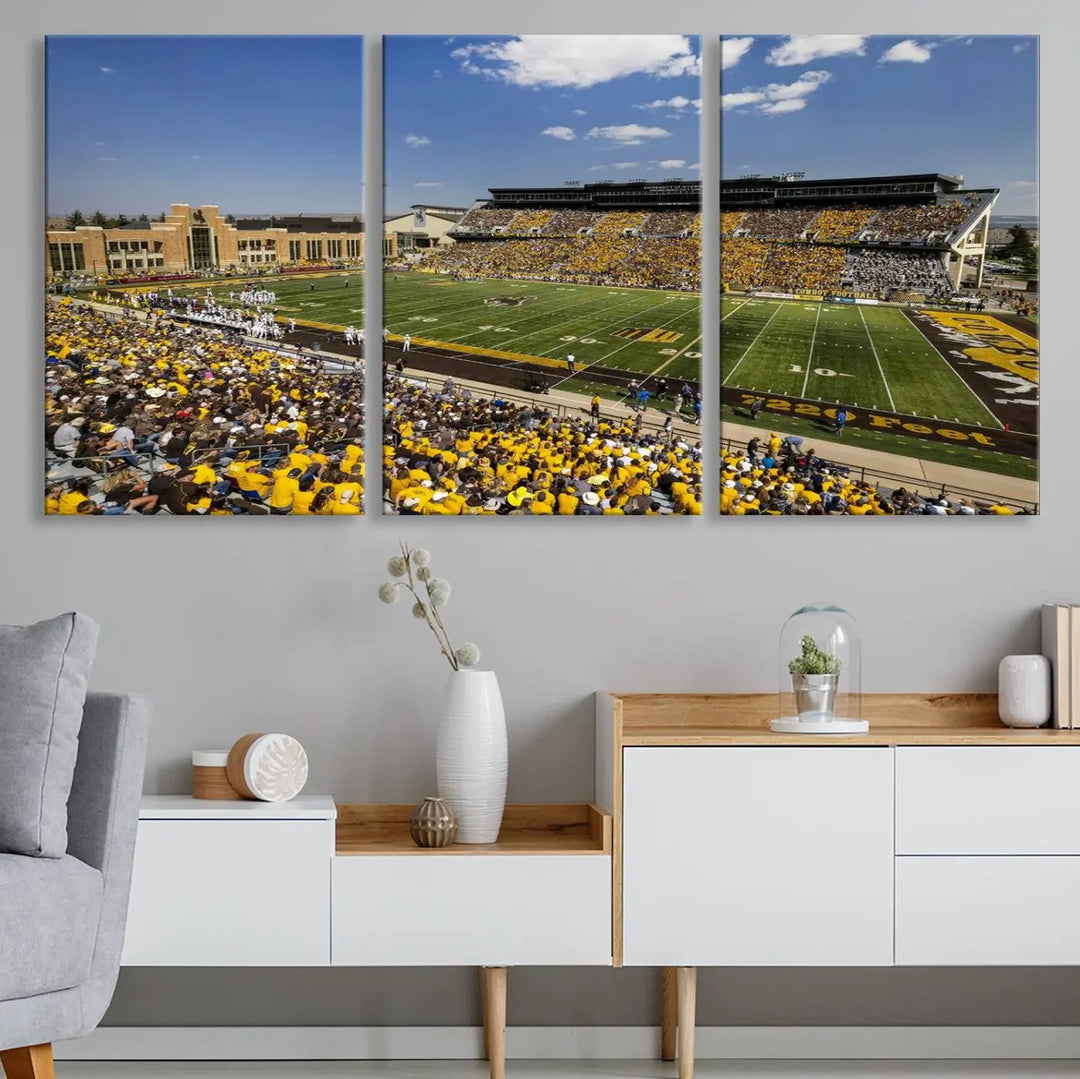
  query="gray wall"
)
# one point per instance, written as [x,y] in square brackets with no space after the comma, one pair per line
[250,624]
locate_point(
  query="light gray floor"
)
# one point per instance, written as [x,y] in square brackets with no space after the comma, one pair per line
[599,1069]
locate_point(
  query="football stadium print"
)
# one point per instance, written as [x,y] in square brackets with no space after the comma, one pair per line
[204,357]
[879,271]
[542,343]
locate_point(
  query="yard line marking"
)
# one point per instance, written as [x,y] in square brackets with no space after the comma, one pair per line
[881,370]
[731,373]
[810,354]
[929,344]
[672,359]
[739,307]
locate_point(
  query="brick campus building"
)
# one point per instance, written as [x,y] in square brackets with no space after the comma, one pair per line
[199,238]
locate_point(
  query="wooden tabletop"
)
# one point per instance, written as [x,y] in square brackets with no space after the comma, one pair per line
[896,719]
[526,829]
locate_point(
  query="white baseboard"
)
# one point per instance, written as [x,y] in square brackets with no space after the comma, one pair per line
[573,1043]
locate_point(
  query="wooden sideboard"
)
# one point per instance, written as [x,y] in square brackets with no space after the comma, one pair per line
[931,840]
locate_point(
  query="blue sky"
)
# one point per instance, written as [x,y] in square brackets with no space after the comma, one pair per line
[253,124]
[467,113]
[836,105]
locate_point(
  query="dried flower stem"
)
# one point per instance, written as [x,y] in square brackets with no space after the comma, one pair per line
[429,611]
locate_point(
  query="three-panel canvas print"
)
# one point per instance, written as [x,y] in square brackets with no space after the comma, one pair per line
[541,349]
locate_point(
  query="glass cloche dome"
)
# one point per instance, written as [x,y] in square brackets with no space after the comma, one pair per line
[820,673]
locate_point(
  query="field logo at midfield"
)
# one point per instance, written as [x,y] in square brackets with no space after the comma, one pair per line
[634,333]
[506,301]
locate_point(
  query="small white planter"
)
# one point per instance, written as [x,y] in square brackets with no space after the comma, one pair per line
[1024,691]
[470,763]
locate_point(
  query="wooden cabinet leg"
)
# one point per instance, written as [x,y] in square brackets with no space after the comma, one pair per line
[686,979]
[484,1011]
[32,1062]
[494,994]
[668,1013]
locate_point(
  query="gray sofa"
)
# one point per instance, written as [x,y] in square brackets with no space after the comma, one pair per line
[62,919]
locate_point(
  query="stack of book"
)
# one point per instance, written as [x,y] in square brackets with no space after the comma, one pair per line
[1061,646]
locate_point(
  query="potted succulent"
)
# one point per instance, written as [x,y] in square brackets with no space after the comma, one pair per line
[814,677]
[471,751]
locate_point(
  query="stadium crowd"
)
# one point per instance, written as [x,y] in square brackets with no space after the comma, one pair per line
[448,452]
[145,415]
[602,259]
[775,476]
[880,271]
[491,221]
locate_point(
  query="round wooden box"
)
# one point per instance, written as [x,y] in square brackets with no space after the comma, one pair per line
[209,778]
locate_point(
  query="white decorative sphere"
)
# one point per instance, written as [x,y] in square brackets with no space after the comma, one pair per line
[1024,691]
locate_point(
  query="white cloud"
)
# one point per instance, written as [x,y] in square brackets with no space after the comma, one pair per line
[416,141]
[614,165]
[778,98]
[738,100]
[678,103]
[108,70]
[805,48]
[560,132]
[1021,46]
[777,108]
[579,60]
[428,183]
[733,49]
[908,51]
[695,165]
[580,112]
[100,144]
[672,163]
[436,74]
[628,134]
[1024,183]
[196,157]
[108,159]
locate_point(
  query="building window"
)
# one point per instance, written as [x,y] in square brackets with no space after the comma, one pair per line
[270,256]
[294,250]
[353,248]
[314,250]
[64,257]
[271,244]
[333,249]
[243,245]
[388,248]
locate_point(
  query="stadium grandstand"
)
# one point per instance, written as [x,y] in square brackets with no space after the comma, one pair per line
[637,234]
[885,237]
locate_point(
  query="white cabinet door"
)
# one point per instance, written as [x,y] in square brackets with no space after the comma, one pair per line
[748,856]
[987,911]
[987,799]
[472,910]
[211,893]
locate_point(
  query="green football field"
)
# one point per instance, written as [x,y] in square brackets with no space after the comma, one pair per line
[319,298]
[638,330]
[861,356]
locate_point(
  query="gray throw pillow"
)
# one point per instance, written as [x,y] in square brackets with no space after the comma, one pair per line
[44,670]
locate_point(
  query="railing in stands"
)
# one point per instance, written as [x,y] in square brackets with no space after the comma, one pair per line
[890,481]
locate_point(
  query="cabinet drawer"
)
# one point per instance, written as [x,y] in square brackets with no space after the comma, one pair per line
[980,911]
[988,800]
[472,910]
[212,893]
[751,856]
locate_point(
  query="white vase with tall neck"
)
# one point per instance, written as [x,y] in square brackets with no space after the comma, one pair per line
[470,762]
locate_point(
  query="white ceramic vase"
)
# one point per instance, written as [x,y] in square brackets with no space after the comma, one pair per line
[470,762]
[1024,691]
